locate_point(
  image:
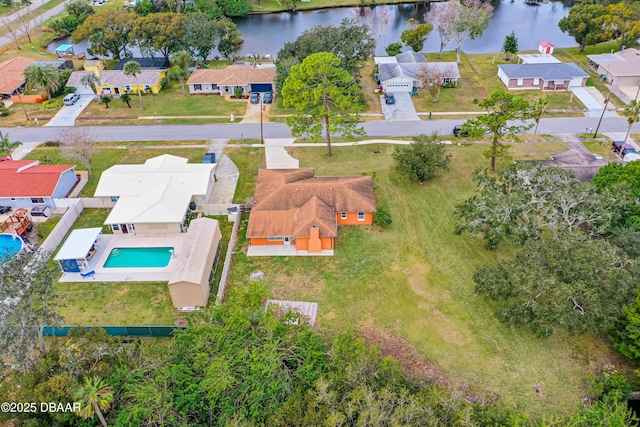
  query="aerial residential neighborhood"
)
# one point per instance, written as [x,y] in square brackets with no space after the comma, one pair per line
[319,213]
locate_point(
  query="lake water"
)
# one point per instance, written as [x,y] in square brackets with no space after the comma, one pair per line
[267,33]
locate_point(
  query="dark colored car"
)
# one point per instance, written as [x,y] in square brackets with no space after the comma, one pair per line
[254,98]
[623,149]
[457,131]
[5,209]
[267,98]
[389,98]
[209,158]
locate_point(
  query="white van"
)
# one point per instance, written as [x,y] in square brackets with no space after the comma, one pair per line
[71,99]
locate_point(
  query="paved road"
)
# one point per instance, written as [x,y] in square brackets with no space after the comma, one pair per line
[279,130]
[8,39]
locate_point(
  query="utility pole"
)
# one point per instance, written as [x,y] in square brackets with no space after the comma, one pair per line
[606,102]
[261,131]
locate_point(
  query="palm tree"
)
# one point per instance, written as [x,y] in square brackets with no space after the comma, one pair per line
[7,147]
[633,115]
[181,62]
[96,396]
[537,110]
[91,80]
[126,98]
[132,68]
[106,100]
[44,76]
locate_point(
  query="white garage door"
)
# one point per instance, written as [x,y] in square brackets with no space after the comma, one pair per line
[577,82]
[83,90]
[398,87]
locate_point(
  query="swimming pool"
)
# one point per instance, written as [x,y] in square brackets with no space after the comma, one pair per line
[10,244]
[138,257]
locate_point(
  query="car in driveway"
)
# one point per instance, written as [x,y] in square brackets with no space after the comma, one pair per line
[209,158]
[389,98]
[254,98]
[267,98]
[619,147]
[70,99]
[457,131]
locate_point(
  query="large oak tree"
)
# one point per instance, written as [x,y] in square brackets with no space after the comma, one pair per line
[110,28]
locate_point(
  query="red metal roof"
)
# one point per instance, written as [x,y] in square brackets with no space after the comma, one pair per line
[546,44]
[25,178]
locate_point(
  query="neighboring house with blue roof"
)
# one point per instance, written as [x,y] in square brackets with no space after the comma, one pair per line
[544,76]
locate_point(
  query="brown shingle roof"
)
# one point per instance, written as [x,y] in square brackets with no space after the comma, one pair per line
[233,76]
[289,201]
[12,73]
[117,78]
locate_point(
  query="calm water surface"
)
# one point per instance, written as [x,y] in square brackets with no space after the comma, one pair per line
[267,33]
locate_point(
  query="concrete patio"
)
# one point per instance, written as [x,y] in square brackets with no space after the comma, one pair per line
[284,250]
[107,242]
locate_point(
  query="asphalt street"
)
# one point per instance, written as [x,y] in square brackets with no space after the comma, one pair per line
[33,135]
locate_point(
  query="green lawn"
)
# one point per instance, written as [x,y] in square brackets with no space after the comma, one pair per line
[105,304]
[248,161]
[601,148]
[414,280]
[478,79]
[168,102]
[105,158]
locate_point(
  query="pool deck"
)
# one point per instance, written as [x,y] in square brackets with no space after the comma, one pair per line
[107,242]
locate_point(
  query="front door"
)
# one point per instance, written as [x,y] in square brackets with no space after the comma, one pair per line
[287,241]
[123,227]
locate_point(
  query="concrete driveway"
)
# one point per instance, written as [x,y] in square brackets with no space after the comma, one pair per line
[403,109]
[593,100]
[68,114]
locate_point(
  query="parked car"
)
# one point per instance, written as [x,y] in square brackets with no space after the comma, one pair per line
[619,147]
[71,99]
[254,98]
[267,98]
[209,158]
[389,98]
[457,131]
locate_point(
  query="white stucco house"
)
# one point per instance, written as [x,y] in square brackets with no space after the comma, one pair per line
[154,197]
[401,73]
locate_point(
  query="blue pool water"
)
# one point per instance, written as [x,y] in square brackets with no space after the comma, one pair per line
[10,244]
[138,257]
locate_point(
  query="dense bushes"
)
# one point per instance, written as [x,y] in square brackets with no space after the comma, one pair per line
[52,104]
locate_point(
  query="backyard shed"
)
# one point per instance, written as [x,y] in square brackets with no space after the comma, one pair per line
[190,282]
[78,249]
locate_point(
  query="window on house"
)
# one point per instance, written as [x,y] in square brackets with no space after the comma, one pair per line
[343,215]
[275,239]
[214,87]
[114,198]
[520,82]
[35,200]
[115,227]
[197,87]
[360,216]
[127,88]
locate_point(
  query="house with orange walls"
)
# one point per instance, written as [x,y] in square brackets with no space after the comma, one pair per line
[294,207]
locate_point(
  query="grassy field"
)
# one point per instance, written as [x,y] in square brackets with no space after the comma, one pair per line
[105,158]
[414,280]
[478,80]
[248,161]
[105,304]
[601,148]
[169,102]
